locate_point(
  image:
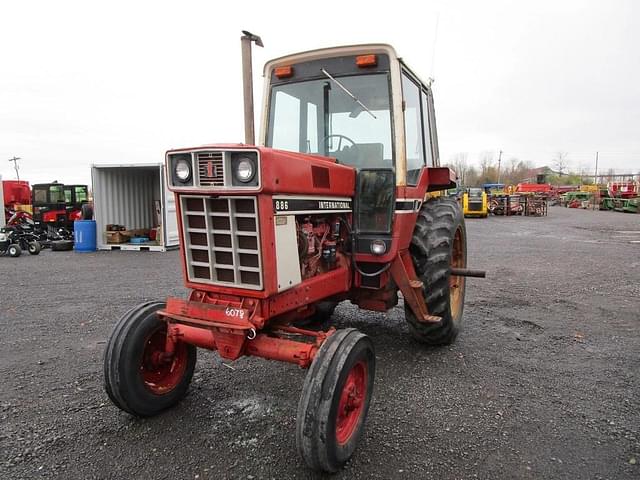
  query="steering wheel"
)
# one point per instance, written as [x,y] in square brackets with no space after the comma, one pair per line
[340,137]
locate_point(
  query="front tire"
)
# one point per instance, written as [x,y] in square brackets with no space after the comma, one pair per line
[14,250]
[439,243]
[335,400]
[136,378]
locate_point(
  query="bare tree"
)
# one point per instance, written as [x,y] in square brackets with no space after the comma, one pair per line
[459,165]
[560,162]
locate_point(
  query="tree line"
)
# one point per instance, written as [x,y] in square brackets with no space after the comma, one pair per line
[512,171]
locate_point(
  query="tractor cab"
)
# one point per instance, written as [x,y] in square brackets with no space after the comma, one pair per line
[49,203]
[58,205]
[76,195]
[363,107]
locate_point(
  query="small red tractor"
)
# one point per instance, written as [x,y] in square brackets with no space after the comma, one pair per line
[55,204]
[333,203]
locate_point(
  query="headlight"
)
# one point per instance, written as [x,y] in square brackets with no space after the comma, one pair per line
[3,237]
[244,169]
[183,170]
[378,247]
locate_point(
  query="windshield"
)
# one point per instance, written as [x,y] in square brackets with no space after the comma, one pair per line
[319,116]
[56,194]
[475,192]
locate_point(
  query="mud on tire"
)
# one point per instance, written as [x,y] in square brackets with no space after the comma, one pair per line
[439,242]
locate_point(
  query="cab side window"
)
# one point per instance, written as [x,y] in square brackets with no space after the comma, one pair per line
[414,136]
[426,123]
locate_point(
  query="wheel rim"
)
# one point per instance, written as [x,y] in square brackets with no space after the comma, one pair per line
[457,283]
[352,402]
[162,373]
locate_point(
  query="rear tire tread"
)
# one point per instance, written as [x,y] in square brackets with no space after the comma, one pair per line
[431,248]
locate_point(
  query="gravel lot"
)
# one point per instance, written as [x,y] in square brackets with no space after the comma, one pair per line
[543,382]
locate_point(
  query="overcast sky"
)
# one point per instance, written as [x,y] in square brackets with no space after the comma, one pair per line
[121,82]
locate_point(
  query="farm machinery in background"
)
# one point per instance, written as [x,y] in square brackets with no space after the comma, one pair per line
[45,212]
[333,204]
[58,205]
[620,196]
[527,199]
[475,203]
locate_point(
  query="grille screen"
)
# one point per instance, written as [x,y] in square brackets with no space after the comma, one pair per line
[210,169]
[222,243]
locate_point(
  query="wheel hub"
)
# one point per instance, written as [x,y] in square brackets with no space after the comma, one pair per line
[351,403]
[162,371]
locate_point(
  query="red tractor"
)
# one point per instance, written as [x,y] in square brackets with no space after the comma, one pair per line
[55,204]
[332,204]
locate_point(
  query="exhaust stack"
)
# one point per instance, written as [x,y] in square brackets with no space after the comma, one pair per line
[247,84]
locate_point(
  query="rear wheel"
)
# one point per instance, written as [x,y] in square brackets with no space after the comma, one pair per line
[439,243]
[139,377]
[34,247]
[335,400]
[14,250]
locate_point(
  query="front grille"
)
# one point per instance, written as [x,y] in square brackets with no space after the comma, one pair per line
[210,169]
[475,206]
[222,240]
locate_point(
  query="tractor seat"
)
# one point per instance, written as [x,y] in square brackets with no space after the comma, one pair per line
[363,155]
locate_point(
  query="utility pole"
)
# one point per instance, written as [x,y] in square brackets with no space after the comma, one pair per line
[15,165]
[596,172]
[499,161]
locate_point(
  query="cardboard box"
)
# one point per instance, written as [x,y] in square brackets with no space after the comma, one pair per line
[118,237]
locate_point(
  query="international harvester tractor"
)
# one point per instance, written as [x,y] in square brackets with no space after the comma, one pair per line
[333,203]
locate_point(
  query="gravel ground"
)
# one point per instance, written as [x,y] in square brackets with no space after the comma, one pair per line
[542,383]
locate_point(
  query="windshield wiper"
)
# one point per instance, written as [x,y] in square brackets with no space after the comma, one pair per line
[348,93]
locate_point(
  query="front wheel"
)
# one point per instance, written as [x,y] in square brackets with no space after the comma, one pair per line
[335,400]
[439,243]
[138,375]
[14,250]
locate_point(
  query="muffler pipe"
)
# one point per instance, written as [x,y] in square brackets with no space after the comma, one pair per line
[247,84]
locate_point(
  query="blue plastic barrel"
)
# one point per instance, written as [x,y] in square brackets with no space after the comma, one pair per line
[84,235]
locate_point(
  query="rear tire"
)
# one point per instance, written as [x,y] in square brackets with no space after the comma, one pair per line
[439,242]
[34,247]
[135,380]
[335,400]
[14,250]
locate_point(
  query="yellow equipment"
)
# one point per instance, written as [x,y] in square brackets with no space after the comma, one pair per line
[474,203]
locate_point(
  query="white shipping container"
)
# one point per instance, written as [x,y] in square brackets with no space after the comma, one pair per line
[129,195]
